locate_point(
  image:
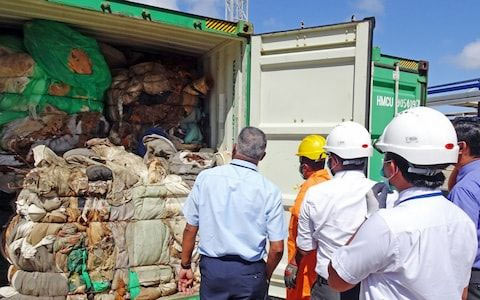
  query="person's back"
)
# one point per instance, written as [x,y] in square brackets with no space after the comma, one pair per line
[235,210]
[235,203]
[338,207]
[431,238]
[312,168]
[333,210]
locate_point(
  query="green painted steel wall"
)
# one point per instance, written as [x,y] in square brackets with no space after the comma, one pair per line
[165,16]
[412,91]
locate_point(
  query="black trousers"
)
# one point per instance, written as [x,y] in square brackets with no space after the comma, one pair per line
[474,285]
[231,277]
[322,291]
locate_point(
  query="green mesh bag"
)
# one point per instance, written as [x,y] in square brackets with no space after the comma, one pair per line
[68,56]
[35,104]
[9,116]
[40,86]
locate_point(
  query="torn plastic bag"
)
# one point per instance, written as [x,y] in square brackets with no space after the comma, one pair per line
[76,59]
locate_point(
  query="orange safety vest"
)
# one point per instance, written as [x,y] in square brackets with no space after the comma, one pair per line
[306,271]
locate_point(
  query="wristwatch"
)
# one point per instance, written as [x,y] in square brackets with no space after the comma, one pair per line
[186,266]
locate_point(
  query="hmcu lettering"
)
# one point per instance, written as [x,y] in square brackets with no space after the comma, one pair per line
[388,101]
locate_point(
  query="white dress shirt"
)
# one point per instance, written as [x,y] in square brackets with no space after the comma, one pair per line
[331,213]
[423,248]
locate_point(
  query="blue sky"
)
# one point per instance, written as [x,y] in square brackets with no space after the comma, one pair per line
[444,32]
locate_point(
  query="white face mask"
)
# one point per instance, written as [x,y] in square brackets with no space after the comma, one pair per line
[330,172]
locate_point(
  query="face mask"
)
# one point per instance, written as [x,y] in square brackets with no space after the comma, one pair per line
[300,170]
[386,180]
[328,167]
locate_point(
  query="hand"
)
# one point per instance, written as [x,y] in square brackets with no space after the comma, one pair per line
[376,198]
[185,281]
[291,275]
[380,191]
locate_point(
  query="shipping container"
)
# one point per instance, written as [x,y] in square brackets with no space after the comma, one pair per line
[397,84]
[289,84]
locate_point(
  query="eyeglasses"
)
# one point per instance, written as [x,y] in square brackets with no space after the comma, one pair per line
[387,161]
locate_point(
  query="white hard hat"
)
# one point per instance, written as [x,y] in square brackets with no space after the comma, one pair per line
[349,140]
[422,136]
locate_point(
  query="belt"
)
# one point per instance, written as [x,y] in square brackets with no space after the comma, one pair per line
[475,277]
[235,258]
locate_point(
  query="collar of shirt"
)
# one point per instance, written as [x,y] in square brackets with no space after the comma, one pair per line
[244,163]
[350,173]
[320,174]
[470,167]
[414,191]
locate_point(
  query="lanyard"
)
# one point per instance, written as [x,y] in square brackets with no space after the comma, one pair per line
[243,167]
[422,196]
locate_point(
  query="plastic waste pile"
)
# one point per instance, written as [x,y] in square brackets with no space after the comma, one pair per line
[164,93]
[52,83]
[100,222]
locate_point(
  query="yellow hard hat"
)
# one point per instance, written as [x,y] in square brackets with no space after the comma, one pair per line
[312,147]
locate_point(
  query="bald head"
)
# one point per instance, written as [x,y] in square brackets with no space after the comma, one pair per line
[252,143]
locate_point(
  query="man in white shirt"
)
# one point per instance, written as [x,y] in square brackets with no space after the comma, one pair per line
[423,247]
[332,211]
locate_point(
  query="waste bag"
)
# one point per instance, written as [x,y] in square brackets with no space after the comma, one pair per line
[75,59]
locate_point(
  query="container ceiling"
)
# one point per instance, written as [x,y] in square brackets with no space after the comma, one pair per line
[113,29]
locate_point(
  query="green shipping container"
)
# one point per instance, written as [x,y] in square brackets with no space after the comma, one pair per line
[397,84]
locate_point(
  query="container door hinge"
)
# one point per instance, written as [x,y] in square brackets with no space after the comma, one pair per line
[146,15]
[197,25]
[105,6]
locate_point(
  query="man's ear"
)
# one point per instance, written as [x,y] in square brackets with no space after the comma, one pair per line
[464,149]
[234,149]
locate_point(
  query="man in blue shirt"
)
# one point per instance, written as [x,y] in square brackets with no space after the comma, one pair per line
[466,191]
[235,210]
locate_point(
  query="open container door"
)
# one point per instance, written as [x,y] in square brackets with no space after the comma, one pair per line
[304,82]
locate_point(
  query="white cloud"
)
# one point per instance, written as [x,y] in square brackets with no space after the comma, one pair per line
[169,4]
[469,58]
[270,22]
[375,7]
[209,8]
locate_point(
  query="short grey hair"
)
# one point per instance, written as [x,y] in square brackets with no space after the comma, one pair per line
[252,143]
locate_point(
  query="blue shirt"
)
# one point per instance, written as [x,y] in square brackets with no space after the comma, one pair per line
[466,194]
[236,210]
